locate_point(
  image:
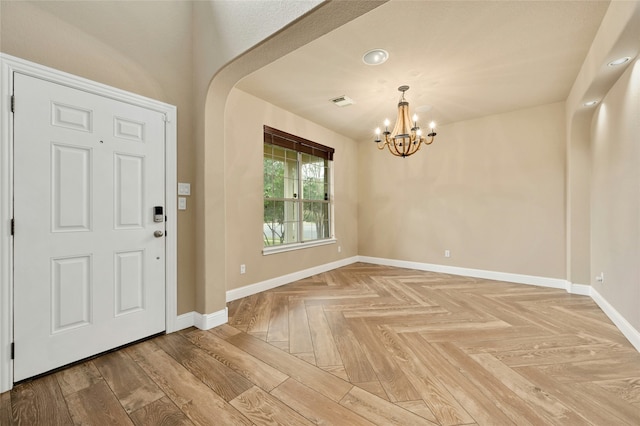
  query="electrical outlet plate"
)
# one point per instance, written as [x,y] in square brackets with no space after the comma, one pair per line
[182,203]
[184,189]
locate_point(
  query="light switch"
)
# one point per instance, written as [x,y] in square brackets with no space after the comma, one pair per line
[182,203]
[184,189]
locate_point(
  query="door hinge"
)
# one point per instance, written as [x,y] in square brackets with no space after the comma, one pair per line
[13,350]
[13,226]
[13,103]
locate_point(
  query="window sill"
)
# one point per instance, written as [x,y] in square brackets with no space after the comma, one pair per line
[296,246]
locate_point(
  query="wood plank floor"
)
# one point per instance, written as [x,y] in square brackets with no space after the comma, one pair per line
[361,345]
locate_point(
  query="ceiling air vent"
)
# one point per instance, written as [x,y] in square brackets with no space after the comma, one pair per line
[342,101]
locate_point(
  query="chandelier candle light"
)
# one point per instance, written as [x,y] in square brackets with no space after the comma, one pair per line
[406,137]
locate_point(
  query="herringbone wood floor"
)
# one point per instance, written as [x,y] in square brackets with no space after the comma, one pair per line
[360,345]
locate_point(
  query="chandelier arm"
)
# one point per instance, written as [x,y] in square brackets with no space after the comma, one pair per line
[430,140]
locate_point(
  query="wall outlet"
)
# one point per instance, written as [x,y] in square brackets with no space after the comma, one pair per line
[447,253]
[184,188]
[182,203]
[600,278]
[339,249]
[243,269]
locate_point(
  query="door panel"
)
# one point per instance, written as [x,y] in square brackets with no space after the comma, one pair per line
[129,282]
[89,275]
[70,188]
[71,295]
[128,192]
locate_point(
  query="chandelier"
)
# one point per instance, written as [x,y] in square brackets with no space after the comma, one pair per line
[406,137]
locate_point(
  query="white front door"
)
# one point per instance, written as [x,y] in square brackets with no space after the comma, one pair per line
[89,273]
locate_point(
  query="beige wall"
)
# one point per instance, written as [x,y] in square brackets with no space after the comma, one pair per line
[618,35]
[615,196]
[222,31]
[244,117]
[577,188]
[489,190]
[210,166]
[141,47]
[186,53]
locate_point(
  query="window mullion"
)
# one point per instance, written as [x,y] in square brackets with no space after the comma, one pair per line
[330,211]
[300,210]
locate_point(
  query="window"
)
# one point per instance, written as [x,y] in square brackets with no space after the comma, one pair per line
[297,191]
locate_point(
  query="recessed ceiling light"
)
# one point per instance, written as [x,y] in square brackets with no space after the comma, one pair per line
[619,61]
[590,103]
[375,57]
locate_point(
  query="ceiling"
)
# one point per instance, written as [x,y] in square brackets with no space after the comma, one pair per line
[462,60]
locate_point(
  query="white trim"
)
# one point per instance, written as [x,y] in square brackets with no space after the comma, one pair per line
[581,289]
[9,65]
[296,246]
[623,325]
[202,321]
[251,289]
[185,321]
[207,321]
[171,225]
[6,240]
[467,272]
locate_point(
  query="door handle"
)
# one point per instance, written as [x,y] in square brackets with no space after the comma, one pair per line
[158,234]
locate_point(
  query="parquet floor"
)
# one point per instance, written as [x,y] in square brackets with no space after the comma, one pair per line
[362,345]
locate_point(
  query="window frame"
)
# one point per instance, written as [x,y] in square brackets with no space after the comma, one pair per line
[301,146]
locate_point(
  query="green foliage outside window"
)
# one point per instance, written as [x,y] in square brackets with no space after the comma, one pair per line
[295,209]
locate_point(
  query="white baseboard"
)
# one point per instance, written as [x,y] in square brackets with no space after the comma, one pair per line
[251,289]
[467,272]
[184,321]
[581,289]
[207,321]
[623,325]
[202,321]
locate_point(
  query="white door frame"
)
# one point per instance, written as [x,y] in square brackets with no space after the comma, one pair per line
[9,65]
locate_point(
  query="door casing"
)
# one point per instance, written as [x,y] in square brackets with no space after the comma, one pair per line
[8,66]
